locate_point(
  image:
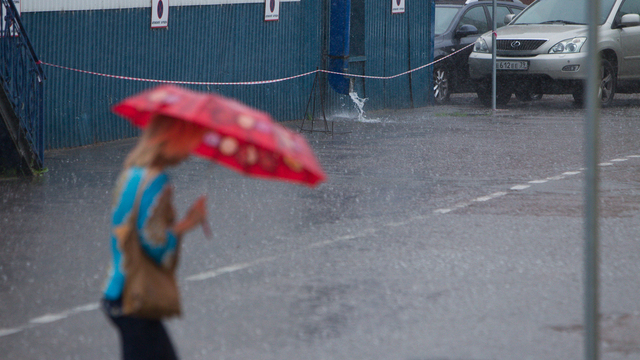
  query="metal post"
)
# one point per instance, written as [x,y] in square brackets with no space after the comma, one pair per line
[493,58]
[591,308]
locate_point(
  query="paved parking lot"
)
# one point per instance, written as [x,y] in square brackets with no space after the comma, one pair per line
[446,232]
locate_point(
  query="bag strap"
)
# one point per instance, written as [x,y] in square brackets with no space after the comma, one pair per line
[133,217]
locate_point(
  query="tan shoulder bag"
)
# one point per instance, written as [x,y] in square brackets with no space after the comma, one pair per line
[150,290]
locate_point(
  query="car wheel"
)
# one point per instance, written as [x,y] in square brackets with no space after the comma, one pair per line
[607,88]
[578,96]
[536,96]
[441,84]
[502,96]
[503,93]
[483,89]
[608,83]
[526,96]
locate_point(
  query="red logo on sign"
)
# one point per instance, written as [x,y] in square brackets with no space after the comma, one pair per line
[273,5]
[160,9]
[398,1]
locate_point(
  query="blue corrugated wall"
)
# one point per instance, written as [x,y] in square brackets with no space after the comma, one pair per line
[217,43]
[396,43]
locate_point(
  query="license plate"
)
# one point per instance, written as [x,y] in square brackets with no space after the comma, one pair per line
[512,65]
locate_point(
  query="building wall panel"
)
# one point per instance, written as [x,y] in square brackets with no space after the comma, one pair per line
[225,43]
[396,43]
[217,43]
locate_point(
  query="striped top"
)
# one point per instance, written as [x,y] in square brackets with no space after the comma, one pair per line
[155,220]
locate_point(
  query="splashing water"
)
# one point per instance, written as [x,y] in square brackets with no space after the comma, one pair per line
[359,102]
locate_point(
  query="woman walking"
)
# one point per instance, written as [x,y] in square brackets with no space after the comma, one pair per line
[144,188]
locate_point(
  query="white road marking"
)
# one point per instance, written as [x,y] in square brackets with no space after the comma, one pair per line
[556,178]
[50,318]
[442,211]
[225,270]
[490,197]
[7,332]
[210,274]
[532,182]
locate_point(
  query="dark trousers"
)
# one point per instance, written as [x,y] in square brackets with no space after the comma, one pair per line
[141,339]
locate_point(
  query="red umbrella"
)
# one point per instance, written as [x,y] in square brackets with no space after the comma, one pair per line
[242,138]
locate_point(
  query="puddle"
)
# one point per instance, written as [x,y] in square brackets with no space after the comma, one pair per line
[618,333]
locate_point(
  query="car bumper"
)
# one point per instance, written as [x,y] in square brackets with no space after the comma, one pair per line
[553,66]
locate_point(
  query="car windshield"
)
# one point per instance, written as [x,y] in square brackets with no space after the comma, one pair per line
[561,12]
[444,17]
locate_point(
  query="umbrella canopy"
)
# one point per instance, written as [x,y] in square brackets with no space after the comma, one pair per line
[240,137]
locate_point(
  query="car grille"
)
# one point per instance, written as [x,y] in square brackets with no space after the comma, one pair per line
[519,45]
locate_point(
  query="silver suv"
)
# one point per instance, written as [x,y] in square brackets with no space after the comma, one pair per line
[543,51]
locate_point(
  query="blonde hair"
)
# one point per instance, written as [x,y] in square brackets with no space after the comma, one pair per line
[159,132]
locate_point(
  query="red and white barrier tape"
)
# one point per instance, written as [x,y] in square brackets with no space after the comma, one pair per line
[253,82]
[179,82]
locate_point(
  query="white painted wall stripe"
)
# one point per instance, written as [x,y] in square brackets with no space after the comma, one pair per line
[74,5]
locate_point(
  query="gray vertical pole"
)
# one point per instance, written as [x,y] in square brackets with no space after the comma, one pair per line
[493,59]
[591,311]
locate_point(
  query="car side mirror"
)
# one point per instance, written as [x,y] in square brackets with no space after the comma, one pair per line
[508,18]
[466,30]
[629,20]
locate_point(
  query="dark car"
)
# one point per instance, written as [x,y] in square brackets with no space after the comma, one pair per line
[459,23]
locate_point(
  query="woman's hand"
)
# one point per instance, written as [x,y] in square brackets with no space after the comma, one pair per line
[196,215]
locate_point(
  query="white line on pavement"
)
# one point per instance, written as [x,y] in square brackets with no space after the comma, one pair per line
[51,318]
[534,182]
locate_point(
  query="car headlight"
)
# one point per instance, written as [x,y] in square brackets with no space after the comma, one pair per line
[481,46]
[568,46]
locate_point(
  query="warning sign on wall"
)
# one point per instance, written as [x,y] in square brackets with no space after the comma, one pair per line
[397,6]
[159,13]
[271,10]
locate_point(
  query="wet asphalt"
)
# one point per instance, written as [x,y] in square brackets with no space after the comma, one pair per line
[447,232]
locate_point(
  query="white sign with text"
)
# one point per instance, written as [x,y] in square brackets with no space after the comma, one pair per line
[159,13]
[397,6]
[271,10]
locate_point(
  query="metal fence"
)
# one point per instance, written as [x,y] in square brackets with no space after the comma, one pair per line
[21,76]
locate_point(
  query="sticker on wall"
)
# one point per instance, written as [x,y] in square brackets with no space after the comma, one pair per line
[159,13]
[271,10]
[397,6]
[13,31]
